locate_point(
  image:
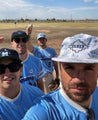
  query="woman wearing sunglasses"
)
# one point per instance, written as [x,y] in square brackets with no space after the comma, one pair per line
[15,99]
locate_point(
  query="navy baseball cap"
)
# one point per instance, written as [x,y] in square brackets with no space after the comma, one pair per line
[41,35]
[9,53]
[80,48]
[19,34]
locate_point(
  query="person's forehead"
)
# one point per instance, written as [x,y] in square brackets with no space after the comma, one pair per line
[41,38]
[6,61]
[80,64]
[20,37]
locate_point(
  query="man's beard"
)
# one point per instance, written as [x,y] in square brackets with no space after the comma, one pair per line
[22,53]
[78,97]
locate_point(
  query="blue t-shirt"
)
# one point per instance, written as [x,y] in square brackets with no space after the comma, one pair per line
[54,106]
[32,70]
[16,110]
[45,55]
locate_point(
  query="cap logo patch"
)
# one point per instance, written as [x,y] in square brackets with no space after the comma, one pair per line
[78,46]
[19,32]
[4,53]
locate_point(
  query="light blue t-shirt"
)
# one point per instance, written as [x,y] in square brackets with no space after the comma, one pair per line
[32,70]
[16,110]
[58,106]
[45,55]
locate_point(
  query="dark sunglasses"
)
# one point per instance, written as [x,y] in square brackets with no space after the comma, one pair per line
[24,39]
[13,67]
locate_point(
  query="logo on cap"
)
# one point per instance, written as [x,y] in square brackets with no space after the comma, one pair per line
[4,53]
[19,32]
[78,46]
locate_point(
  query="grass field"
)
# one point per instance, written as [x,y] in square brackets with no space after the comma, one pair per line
[56,32]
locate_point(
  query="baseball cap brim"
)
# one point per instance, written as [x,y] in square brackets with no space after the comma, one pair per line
[74,60]
[41,35]
[80,48]
[27,36]
[18,60]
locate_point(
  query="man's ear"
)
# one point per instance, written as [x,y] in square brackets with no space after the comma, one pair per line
[59,65]
[46,39]
[12,44]
[97,70]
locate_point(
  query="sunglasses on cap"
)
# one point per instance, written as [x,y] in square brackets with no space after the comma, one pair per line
[13,67]
[24,39]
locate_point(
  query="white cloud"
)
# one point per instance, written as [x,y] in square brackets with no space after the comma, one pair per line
[86,8]
[96,1]
[13,9]
[87,0]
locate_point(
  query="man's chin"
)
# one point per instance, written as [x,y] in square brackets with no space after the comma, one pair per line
[79,98]
[21,52]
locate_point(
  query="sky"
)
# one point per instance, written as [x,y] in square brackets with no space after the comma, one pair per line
[48,9]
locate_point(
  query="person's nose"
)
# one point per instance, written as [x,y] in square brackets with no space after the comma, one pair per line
[21,42]
[7,71]
[79,74]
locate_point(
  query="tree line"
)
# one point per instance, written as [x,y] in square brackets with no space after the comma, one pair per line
[22,20]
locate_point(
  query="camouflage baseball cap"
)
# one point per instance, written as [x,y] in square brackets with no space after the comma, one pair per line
[80,48]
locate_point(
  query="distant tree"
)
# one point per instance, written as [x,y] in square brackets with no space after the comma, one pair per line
[53,19]
[22,20]
[64,20]
[27,19]
[35,19]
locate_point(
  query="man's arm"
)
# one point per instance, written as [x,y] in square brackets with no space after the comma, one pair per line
[56,68]
[40,84]
[29,45]
[1,39]
[29,32]
[56,82]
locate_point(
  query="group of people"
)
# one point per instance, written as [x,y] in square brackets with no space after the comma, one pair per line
[24,78]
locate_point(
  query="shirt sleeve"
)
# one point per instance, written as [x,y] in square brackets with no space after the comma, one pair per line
[37,112]
[35,49]
[41,70]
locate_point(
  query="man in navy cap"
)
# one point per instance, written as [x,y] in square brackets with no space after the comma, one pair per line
[33,71]
[15,99]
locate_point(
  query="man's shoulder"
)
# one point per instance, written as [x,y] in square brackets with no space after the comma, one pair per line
[28,87]
[31,89]
[96,91]
[34,58]
[95,94]
[51,97]
[35,48]
[50,48]
[31,60]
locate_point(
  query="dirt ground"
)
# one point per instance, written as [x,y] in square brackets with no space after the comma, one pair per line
[55,36]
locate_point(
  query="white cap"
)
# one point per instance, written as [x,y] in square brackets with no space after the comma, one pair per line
[81,48]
